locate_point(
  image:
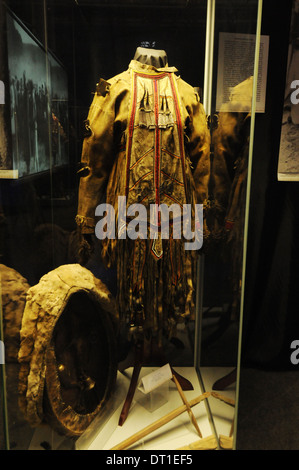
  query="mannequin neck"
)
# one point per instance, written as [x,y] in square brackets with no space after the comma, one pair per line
[155,57]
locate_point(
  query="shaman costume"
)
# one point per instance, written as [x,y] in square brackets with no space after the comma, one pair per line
[147,140]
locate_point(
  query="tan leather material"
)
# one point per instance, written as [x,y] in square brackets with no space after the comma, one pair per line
[112,146]
[148,141]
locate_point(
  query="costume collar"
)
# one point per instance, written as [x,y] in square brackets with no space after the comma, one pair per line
[140,67]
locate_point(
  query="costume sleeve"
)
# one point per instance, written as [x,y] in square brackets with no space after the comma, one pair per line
[98,154]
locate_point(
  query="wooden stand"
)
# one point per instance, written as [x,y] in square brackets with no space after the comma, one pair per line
[146,353]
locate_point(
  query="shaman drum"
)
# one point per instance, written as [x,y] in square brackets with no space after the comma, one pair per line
[13,292]
[73,345]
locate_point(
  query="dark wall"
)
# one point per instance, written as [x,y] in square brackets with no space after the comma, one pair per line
[91,39]
[98,39]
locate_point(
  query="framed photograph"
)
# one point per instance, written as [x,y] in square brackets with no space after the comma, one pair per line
[288,162]
[38,104]
[235,72]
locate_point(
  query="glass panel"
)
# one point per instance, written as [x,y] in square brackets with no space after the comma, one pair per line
[231,116]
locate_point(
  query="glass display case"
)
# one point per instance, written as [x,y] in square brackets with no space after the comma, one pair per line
[87,359]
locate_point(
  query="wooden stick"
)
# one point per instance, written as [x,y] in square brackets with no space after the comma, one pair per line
[227,400]
[207,443]
[185,401]
[160,422]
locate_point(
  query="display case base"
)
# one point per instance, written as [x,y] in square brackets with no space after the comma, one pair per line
[214,418]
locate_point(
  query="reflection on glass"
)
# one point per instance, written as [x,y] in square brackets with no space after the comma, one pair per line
[234,60]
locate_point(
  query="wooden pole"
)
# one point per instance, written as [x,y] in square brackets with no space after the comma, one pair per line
[185,401]
[207,443]
[228,401]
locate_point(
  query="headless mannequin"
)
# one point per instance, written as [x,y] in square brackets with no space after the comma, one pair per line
[147,353]
[155,57]
[158,58]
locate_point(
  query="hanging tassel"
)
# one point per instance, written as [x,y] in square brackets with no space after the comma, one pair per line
[162,115]
[168,115]
[146,113]
[165,115]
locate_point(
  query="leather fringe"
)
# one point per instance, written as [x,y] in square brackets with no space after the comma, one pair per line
[154,294]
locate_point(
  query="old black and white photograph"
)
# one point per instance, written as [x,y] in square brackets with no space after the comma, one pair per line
[288,165]
[38,97]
